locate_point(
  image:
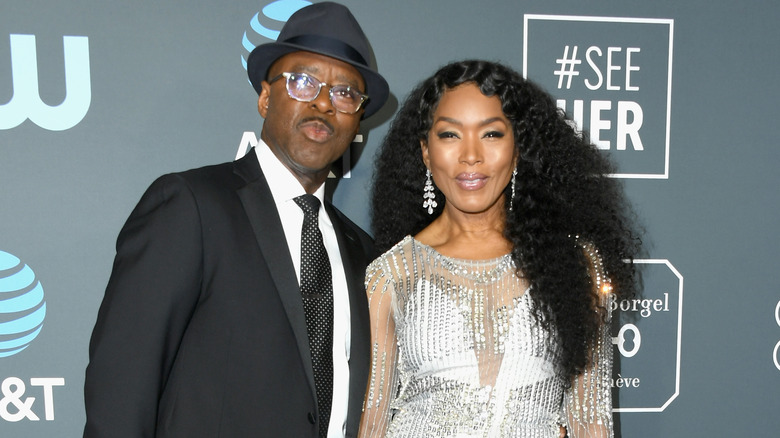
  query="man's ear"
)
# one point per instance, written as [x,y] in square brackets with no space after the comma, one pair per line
[264,99]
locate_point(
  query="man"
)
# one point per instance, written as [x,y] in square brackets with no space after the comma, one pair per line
[226,313]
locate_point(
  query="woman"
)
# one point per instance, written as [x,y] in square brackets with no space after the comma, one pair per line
[493,319]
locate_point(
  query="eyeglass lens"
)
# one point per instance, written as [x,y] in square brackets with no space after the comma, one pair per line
[306,88]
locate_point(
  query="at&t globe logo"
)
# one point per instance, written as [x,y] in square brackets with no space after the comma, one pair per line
[268,26]
[22,307]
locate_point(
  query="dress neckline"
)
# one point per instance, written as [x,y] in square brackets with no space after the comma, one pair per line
[456,259]
[482,271]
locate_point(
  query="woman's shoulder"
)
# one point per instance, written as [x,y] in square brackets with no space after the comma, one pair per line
[388,267]
[396,251]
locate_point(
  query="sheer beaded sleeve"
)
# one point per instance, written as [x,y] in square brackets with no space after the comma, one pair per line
[588,402]
[382,384]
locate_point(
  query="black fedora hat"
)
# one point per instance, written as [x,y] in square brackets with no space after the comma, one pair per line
[328,29]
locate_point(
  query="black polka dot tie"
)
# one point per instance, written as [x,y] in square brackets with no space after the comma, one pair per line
[317,291]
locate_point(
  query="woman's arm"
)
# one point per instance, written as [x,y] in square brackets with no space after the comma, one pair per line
[588,402]
[382,381]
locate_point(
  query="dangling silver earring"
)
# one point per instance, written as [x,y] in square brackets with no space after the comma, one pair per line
[512,199]
[428,195]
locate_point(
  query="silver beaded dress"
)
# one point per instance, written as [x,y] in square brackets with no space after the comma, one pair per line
[458,353]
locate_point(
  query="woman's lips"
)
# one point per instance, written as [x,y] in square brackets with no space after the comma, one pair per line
[471,181]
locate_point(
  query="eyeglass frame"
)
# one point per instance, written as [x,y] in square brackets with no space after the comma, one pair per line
[287,74]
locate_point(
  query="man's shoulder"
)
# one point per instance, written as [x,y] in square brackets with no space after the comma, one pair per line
[228,175]
[207,172]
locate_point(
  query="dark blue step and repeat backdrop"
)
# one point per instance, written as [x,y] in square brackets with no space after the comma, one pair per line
[99,98]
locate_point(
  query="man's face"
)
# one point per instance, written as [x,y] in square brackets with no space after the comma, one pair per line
[308,136]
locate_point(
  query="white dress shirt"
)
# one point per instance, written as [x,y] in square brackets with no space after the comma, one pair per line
[284,188]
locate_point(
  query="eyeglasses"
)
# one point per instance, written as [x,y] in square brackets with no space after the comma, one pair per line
[305,88]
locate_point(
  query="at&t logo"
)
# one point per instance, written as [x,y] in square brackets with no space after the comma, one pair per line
[26,101]
[22,307]
[275,14]
[14,406]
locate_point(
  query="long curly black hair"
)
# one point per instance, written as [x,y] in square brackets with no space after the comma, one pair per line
[563,197]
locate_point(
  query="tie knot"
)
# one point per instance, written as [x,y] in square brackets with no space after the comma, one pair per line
[308,203]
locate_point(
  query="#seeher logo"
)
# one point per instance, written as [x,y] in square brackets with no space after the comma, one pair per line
[22,307]
[266,27]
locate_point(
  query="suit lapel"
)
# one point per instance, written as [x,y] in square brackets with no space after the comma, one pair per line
[354,260]
[267,227]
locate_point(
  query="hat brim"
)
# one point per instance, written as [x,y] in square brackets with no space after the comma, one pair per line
[264,55]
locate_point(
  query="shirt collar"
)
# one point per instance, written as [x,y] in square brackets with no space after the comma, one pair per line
[283,184]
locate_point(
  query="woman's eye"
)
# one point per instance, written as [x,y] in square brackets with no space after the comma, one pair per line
[494,134]
[447,134]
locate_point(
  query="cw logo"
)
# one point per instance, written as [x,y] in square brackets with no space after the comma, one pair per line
[26,101]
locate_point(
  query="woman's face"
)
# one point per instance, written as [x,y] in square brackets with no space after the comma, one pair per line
[470,149]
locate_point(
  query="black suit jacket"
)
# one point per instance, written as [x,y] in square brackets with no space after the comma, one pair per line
[201,332]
